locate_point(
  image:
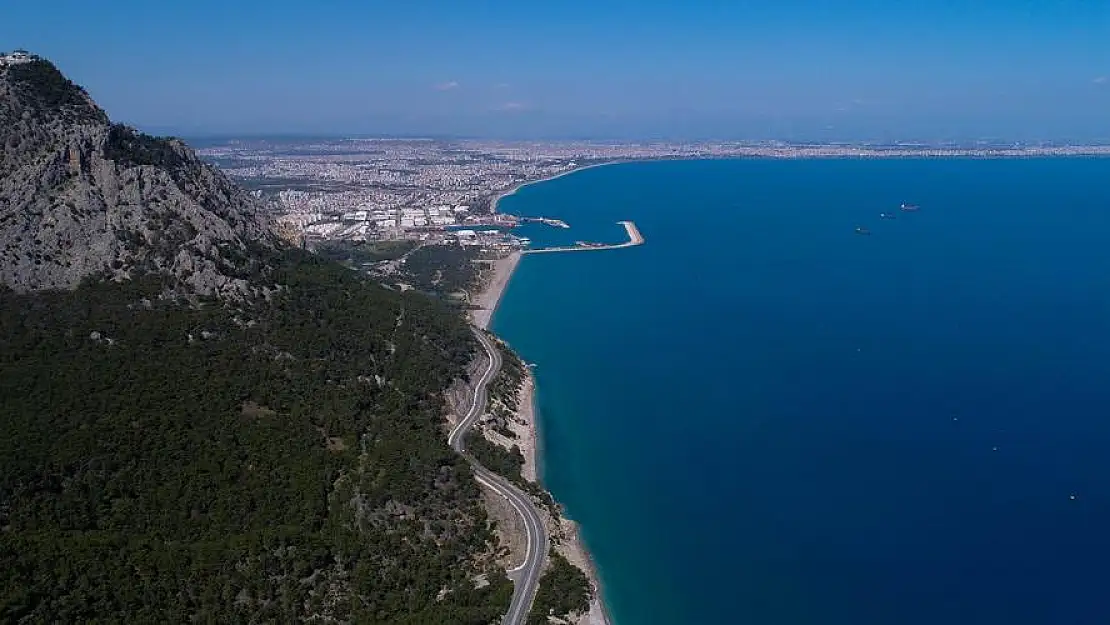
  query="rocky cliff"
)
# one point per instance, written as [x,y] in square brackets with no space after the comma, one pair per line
[81,197]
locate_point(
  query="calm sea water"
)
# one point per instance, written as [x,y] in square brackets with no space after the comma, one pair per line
[763,418]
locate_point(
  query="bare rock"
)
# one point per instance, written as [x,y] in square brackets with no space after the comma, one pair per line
[81,197]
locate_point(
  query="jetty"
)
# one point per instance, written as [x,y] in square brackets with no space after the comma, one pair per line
[634,238]
[556,223]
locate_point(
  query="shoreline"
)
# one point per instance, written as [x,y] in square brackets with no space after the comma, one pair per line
[570,544]
[958,154]
[517,187]
[488,299]
[565,531]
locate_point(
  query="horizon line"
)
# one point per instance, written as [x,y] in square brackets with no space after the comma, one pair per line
[907,144]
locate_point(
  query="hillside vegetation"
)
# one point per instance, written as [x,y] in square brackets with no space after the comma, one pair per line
[170,462]
[198,424]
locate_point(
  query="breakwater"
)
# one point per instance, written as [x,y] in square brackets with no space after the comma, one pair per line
[634,238]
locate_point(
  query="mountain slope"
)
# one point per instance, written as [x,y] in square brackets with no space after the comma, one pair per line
[266,447]
[80,196]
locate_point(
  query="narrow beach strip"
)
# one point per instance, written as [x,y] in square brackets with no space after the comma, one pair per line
[490,297]
[486,303]
[513,189]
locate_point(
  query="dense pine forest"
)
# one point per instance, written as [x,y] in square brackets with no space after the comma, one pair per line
[267,461]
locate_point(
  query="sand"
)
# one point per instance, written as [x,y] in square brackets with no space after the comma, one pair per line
[564,532]
[490,296]
[569,544]
[513,189]
[523,426]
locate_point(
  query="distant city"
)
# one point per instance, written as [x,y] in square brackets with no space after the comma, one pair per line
[436,191]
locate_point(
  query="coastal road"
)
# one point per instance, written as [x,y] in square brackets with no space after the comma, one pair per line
[526,577]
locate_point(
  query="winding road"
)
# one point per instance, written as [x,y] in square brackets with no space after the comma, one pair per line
[526,577]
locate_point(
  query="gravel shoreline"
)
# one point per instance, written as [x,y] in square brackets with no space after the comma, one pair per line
[525,427]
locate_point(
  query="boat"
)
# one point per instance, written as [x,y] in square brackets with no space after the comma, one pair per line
[887,216]
[862,230]
[909,208]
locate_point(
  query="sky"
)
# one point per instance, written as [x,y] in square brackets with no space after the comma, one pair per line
[916,70]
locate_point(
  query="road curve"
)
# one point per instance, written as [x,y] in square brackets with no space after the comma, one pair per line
[527,575]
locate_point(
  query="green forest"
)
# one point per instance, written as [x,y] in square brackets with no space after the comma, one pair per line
[564,589]
[170,460]
[443,269]
[355,254]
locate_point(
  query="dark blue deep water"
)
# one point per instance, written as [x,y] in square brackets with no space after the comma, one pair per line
[762,418]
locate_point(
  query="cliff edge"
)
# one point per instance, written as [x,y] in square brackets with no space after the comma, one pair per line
[82,197]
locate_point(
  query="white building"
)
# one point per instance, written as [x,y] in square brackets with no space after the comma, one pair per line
[15,58]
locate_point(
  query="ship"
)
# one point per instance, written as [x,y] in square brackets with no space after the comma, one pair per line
[887,216]
[862,230]
[909,208]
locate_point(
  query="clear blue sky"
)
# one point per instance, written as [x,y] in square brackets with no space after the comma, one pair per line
[854,69]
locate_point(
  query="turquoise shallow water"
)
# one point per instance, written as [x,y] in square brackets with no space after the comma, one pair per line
[760,417]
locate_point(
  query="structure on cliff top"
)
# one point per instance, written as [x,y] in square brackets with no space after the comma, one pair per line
[15,58]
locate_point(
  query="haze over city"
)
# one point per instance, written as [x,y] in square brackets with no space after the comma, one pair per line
[806,71]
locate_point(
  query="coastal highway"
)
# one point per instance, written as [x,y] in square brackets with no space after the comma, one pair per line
[526,577]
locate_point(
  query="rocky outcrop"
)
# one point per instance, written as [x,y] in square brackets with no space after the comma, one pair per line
[81,197]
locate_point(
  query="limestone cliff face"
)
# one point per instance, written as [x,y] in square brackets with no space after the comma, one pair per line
[82,197]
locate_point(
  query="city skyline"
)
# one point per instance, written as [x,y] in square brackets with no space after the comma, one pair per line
[799,71]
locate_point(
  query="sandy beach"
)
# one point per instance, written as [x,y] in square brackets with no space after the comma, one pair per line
[564,532]
[511,190]
[574,550]
[523,428]
[567,541]
[489,297]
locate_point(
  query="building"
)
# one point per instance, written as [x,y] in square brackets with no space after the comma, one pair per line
[15,58]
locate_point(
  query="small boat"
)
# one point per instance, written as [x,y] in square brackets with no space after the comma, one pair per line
[862,230]
[909,208]
[887,216]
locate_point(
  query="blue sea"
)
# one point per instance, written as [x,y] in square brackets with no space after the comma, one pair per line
[761,417]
